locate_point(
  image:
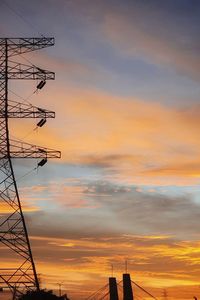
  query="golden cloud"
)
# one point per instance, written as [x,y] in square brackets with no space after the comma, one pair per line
[6,209]
[141,141]
[80,263]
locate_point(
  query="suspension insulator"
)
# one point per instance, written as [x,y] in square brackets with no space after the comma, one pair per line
[42,162]
[41,122]
[41,84]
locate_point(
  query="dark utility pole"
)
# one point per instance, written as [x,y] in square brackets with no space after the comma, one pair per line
[20,275]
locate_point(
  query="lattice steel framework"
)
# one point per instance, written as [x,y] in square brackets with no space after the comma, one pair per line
[13,231]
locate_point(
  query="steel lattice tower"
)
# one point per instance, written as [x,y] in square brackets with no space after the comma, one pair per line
[13,233]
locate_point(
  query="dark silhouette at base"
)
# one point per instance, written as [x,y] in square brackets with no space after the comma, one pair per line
[42,295]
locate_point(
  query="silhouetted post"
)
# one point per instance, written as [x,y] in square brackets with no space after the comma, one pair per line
[165,294]
[127,287]
[113,288]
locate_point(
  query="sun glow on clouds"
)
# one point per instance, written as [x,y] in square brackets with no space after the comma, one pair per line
[131,141]
[87,257]
[4,209]
[81,258]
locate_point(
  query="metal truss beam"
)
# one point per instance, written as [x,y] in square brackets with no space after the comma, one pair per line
[21,71]
[23,110]
[18,46]
[24,150]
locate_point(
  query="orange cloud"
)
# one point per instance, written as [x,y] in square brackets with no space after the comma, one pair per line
[5,208]
[155,262]
[136,139]
[145,254]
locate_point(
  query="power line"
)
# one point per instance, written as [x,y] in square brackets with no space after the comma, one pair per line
[24,99]
[93,295]
[26,174]
[22,17]
[143,290]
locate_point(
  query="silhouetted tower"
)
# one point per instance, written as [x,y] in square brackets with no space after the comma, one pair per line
[165,296]
[127,287]
[21,274]
[113,292]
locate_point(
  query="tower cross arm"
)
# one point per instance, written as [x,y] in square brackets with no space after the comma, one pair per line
[24,110]
[18,46]
[21,71]
[35,153]
[19,149]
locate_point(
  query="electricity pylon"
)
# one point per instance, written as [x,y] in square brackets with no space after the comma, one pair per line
[21,274]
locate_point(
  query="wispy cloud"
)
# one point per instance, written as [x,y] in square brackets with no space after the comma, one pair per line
[139,33]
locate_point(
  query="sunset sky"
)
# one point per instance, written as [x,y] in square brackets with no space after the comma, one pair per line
[127,103]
